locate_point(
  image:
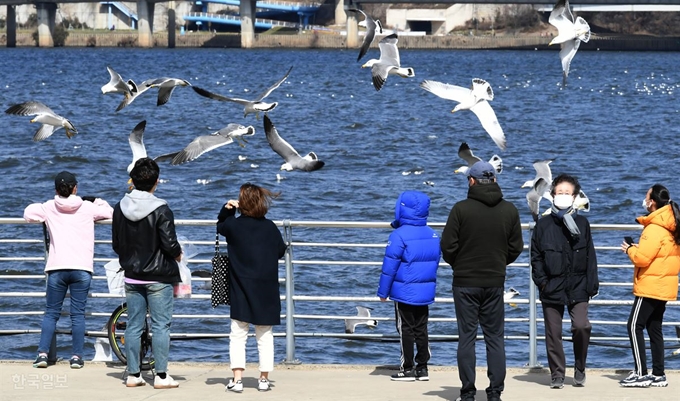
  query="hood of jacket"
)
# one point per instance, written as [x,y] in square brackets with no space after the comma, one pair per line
[68,205]
[412,208]
[138,204]
[488,194]
[662,217]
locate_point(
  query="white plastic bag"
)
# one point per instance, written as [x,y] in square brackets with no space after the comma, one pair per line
[183,288]
[115,277]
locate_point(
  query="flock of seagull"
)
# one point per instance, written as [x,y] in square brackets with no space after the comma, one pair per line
[571,32]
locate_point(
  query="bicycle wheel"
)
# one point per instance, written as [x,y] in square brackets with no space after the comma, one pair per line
[116,333]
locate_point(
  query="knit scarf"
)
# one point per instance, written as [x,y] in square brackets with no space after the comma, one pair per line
[565,216]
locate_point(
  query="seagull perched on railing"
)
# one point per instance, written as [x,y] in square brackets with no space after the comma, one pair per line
[363,315]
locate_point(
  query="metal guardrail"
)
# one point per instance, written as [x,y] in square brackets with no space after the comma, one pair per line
[238,19]
[291,265]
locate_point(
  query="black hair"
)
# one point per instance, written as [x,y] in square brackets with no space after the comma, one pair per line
[662,197]
[65,190]
[566,178]
[145,174]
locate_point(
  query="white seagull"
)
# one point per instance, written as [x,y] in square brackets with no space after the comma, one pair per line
[165,87]
[50,120]
[136,140]
[570,33]
[388,64]
[205,143]
[371,27]
[293,160]
[540,186]
[465,153]
[116,84]
[363,315]
[581,203]
[475,99]
[249,106]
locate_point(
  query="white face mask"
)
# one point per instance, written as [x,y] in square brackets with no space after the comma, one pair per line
[645,205]
[563,201]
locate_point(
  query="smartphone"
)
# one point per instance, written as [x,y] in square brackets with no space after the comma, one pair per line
[629,240]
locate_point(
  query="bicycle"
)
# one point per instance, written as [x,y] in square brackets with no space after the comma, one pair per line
[116,334]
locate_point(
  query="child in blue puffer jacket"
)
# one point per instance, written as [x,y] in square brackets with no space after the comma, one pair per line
[409,278]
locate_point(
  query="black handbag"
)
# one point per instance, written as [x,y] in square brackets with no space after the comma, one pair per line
[219,294]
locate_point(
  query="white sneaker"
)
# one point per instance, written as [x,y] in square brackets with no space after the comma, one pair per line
[235,386]
[133,381]
[168,382]
[263,385]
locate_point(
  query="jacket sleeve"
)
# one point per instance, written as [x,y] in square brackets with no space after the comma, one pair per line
[115,241]
[648,247]
[168,236]
[281,244]
[102,210]
[35,212]
[515,241]
[222,217]
[537,261]
[391,263]
[592,277]
[449,241]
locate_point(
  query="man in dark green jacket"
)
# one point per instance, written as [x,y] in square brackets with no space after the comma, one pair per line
[481,237]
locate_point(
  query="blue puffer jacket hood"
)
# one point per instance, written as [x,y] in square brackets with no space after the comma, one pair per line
[412,208]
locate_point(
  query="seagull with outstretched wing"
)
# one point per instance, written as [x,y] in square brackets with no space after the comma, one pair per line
[388,64]
[249,106]
[363,318]
[570,33]
[294,161]
[205,143]
[465,153]
[371,27]
[50,120]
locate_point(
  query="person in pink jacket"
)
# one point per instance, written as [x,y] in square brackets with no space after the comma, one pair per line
[70,222]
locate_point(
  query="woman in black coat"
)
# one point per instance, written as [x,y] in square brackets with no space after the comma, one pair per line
[255,246]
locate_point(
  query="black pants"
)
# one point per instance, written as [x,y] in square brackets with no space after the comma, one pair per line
[412,329]
[480,306]
[580,333]
[647,313]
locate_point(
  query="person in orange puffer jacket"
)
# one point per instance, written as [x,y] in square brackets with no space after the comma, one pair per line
[655,281]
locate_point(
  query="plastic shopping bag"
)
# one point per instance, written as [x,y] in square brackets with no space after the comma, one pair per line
[183,288]
[115,277]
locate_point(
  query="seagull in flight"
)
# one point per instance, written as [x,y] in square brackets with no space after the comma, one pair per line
[371,27]
[570,33]
[475,99]
[249,106]
[363,315]
[50,120]
[388,64]
[165,87]
[293,160]
[205,143]
[136,140]
[465,153]
[540,186]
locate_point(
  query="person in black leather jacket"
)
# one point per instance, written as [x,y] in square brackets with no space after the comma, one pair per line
[564,268]
[143,236]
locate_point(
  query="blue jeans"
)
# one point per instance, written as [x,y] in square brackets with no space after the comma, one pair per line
[158,299]
[77,282]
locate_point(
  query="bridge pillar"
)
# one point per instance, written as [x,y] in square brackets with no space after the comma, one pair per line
[352,31]
[47,13]
[247,10]
[11,26]
[145,12]
[171,27]
[340,15]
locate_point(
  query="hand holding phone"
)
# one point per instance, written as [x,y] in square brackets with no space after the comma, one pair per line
[628,240]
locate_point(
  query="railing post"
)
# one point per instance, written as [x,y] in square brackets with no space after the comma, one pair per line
[533,342]
[290,292]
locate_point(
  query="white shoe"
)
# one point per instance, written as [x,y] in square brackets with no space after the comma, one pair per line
[168,382]
[263,385]
[235,386]
[133,381]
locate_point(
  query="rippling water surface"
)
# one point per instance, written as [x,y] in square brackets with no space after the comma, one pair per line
[614,126]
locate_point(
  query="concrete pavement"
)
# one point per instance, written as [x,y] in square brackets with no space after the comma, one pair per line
[202,381]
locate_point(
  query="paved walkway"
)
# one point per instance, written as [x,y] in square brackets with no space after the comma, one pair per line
[20,381]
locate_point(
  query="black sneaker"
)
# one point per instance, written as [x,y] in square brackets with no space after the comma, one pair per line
[636,380]
[421,374]
[557,383]
[659,381]
[493,396]
[404,376]
[76,363]
[40,361]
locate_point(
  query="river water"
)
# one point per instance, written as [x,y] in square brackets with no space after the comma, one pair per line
[614,126]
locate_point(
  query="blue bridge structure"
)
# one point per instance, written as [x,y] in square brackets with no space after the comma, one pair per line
[267,13]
